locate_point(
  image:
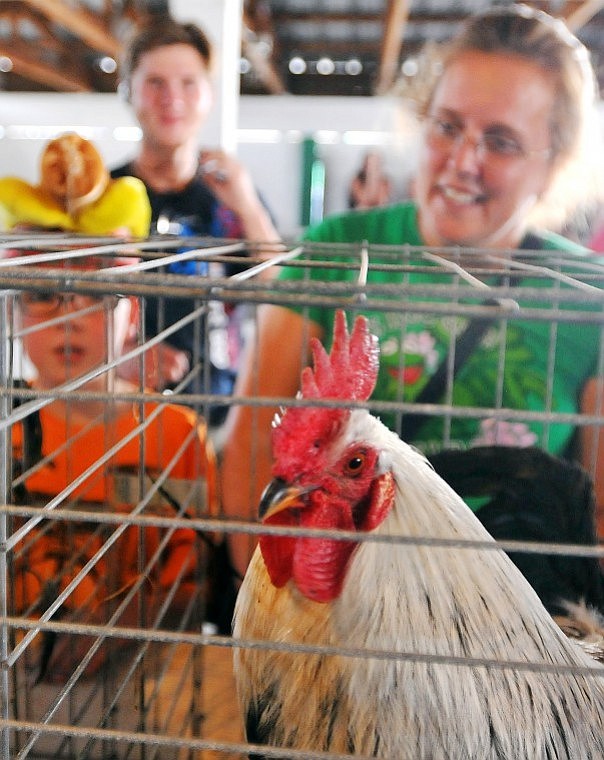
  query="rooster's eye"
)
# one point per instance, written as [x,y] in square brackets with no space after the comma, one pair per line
[355,464]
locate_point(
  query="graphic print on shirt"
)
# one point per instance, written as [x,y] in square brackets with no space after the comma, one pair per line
[412,349]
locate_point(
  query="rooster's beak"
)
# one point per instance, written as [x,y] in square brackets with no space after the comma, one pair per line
[279,495]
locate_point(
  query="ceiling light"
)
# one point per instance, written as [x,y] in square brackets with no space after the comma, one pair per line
[353,67]
[244,66]
[297,65]
[410,67]
[264,47]
[6,64]
[325,66]
[107,64]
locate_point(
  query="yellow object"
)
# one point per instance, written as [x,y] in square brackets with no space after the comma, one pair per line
[76,194]
[22,203]
[124,204]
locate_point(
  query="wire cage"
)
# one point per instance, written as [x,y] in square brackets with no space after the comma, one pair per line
[110,511]
[107,655]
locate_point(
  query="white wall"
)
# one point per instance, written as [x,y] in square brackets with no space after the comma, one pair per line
[28,121]
[344,129]
[269,139]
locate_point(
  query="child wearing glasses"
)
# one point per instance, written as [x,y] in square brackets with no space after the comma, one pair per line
[92,443]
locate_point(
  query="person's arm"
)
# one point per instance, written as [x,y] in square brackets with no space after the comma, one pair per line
[271,368]
[232,184]
[592,446]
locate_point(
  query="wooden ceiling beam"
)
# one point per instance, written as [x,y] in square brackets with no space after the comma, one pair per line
[583,14]
[81,23]
[67,58]
[264,68]
[46,75]
[397,15]
[14,15]
[255,23]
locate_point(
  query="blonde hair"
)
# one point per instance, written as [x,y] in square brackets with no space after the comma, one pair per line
[535,36]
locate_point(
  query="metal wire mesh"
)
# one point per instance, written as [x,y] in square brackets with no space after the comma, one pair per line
[107,521]
[134,679]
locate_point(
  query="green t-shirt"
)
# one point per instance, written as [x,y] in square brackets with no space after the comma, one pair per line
[525,365]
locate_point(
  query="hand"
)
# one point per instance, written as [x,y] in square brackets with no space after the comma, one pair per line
[230,182]
[164,365]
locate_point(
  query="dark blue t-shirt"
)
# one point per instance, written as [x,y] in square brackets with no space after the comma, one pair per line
[194,210]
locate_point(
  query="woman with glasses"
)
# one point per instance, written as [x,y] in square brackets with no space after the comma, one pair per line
[502,128]
[91,445]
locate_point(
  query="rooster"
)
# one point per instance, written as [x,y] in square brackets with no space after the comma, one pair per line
[482,670]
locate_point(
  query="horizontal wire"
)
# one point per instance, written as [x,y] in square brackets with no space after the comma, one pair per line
[217,525]
[151,740]
[164,636]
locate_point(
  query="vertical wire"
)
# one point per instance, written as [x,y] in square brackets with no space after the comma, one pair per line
[5,459]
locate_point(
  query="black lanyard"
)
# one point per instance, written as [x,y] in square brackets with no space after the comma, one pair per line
[464,347]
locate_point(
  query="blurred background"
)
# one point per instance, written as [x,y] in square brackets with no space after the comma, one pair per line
[305,87]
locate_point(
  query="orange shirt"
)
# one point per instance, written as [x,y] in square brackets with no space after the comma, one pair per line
[60,549]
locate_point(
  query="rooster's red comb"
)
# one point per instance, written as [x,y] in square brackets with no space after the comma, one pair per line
[347,373]
[350,370]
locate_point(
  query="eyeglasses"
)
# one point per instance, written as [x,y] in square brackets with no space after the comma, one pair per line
[445,133]
[45,303]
